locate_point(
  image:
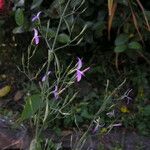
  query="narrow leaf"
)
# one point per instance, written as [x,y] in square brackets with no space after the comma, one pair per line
[36,3]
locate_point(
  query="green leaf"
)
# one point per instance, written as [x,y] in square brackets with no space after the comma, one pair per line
[120,48]
[85,114]
[19,17]
[18,30]
[121,39]
[146,111]
[36,3]
[98,28]
[63,38]
[79,119]
[75,3]
[1,22]
[147,12]
[49,32]
[123,2]
[135,45]
[33,103]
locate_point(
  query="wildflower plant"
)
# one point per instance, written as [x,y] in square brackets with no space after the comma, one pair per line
[49,101]
[97,124]
[49,94]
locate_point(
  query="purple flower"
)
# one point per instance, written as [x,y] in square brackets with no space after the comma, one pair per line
[96,128]
[80,73]
[79,63]
[45,76]
[36,37]
[126,96]
[117,125]
[55,92]
[36,17]
[111,114]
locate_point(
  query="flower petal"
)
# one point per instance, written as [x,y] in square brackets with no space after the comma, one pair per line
[96,128]
[38,14]
[55,92]
[44,77]
[36,17]
[86,69]
[117,125]
[79,75]
[79,63]
[35,32]
[36,37]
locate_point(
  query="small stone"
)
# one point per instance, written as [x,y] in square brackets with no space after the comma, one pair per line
[18,95]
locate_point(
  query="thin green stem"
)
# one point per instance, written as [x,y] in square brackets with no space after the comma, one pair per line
[101,109]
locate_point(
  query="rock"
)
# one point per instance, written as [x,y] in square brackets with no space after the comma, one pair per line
[11,137]
[18,95]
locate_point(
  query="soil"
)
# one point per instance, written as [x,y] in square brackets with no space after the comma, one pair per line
[12,137]
[119,139]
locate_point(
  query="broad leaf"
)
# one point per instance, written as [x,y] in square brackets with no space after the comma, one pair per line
[18,30]
[123,2]
[120,48]
[49,32]
[36,3]
[121,39]
[146,111]
[63,38]
[19,17]
[135,45]
[33,103]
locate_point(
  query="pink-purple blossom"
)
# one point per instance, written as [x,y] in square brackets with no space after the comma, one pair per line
[36,36]
[111,114]
[126,96]
[55,92]
[95,128]
[36,17]
[117,125]
[45,76]
[80,73]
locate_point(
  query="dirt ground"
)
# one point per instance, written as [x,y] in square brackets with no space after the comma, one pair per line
[119,139]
